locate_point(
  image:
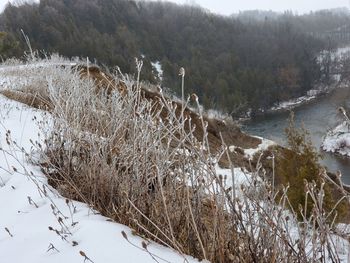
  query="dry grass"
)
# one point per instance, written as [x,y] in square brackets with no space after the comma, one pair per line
[138,158]
[32,100]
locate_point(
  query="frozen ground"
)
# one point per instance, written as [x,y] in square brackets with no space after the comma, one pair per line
[263,146]
[290,104]
[338,140]
[37,225]
[26,74]
[159,69]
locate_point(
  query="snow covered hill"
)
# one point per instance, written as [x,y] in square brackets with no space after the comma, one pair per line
[37,225]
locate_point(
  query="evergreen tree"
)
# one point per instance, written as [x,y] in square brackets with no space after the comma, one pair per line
[301,164]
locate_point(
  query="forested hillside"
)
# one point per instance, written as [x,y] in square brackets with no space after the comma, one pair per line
[230,63]
[313,22]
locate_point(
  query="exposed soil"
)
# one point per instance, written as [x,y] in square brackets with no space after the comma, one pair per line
[33,100]
[230,132]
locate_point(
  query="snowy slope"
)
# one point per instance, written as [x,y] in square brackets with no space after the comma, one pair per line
[159,69]
[27,215]
[338,140]
[263,146]
[39,225]
[26,74]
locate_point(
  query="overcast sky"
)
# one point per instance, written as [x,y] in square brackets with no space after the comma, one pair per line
[2,4]
[227,7]
[301,6]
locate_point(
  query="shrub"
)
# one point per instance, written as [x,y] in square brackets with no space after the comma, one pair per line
[137,161]
[300,165]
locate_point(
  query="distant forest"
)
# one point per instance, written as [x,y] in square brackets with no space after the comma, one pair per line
[250,60]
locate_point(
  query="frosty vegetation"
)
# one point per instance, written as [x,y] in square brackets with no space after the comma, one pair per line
[337,140]
[138,162]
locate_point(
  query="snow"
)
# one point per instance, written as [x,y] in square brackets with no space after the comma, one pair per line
[29,207]
[159,69]
[25,74]
[343,51]
[338,140]
[263,146]
[240,177]
[216,114]
[35,207]
[313,92]
[36,65]
[294,102]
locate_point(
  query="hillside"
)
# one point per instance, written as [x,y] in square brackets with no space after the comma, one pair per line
[132,154]
[42,226]
[218,130]
[101,161]
[232,65]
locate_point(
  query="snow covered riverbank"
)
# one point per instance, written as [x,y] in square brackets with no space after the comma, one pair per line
[337,140]
[290,104]
[316,92]
[309,97]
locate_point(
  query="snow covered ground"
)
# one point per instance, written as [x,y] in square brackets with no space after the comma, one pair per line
[338,140]
[343,51]
[240,177]
[159,69]
[290,104]
[263,146]
[24,75]
[38,225]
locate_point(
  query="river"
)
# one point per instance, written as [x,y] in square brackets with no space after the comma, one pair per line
[317,117]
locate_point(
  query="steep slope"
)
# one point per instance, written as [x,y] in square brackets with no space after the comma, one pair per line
[39,225]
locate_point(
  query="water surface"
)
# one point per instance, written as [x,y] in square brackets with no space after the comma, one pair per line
[317,117]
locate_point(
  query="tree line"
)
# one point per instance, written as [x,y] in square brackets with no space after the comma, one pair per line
[232,63]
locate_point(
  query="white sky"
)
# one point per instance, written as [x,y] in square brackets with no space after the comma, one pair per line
[227,7]
[2,4]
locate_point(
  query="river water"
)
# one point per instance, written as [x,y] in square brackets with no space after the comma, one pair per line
[317,117]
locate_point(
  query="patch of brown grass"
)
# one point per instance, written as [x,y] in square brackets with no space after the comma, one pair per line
[33,100]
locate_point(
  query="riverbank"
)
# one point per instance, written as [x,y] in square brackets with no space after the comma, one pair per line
[337,140]
[317,117]
[286,106]
[311,96]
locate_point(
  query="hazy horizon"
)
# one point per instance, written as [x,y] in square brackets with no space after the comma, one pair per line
[227,7]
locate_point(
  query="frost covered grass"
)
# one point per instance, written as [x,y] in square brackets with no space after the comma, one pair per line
[139,162]
[37,224]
